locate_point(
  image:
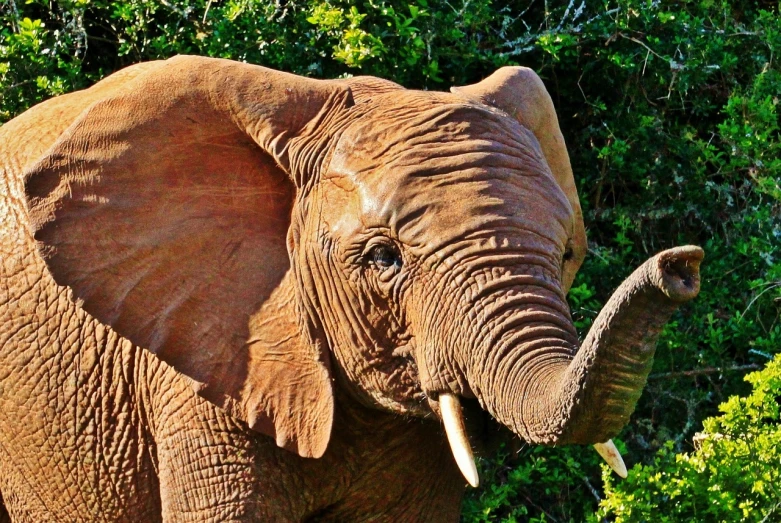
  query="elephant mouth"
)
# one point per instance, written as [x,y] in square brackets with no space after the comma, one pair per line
[486,434]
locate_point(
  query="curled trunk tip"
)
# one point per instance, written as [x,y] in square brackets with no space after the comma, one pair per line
[678,272]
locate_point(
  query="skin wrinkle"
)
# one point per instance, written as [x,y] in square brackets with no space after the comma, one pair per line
[411,126]
[526,332]
[429,293]
[522,277]
[362,366]
[324,137]
[51,356]
[486,334]
[525,283]
[527,305]
[54,383]
[535,420]
[343,303]
[457,255]
[317,267]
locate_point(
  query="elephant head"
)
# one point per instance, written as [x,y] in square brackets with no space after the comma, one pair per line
[274,237]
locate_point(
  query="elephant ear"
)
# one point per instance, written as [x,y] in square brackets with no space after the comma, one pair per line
[519,92]
[165,208]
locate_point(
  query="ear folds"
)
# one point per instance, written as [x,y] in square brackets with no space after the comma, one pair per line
[164,208]
[519,92]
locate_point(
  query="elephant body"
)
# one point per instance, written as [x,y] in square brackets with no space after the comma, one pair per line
[227,293]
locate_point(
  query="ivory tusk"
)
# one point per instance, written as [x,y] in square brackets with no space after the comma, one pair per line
[456,436]
[612,457]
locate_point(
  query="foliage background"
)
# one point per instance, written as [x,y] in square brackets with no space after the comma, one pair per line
[671,113]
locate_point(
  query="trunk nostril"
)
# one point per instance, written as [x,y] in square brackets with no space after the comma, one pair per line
[678,271]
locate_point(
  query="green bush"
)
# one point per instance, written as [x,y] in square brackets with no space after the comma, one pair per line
[670,111]
[733,475]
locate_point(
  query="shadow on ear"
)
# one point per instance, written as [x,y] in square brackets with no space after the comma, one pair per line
[519,92]
[165,209]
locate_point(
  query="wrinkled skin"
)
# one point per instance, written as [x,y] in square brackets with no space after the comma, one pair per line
[229,293]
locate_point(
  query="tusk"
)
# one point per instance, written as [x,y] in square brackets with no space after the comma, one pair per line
[456,436]
[612,457]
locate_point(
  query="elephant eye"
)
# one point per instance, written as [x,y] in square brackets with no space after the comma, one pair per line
[384,257]
[568,254]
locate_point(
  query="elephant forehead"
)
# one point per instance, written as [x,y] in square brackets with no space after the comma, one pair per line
[390,125]
[474,203]
[447,169]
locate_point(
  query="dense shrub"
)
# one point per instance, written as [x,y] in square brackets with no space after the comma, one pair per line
[671,114]
[733,475]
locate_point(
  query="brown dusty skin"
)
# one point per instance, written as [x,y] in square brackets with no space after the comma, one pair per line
[221,288]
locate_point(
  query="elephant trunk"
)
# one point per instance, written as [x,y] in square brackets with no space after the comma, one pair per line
[549,392]
[613,363]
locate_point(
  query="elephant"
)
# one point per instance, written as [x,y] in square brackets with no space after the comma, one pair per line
[232,293]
